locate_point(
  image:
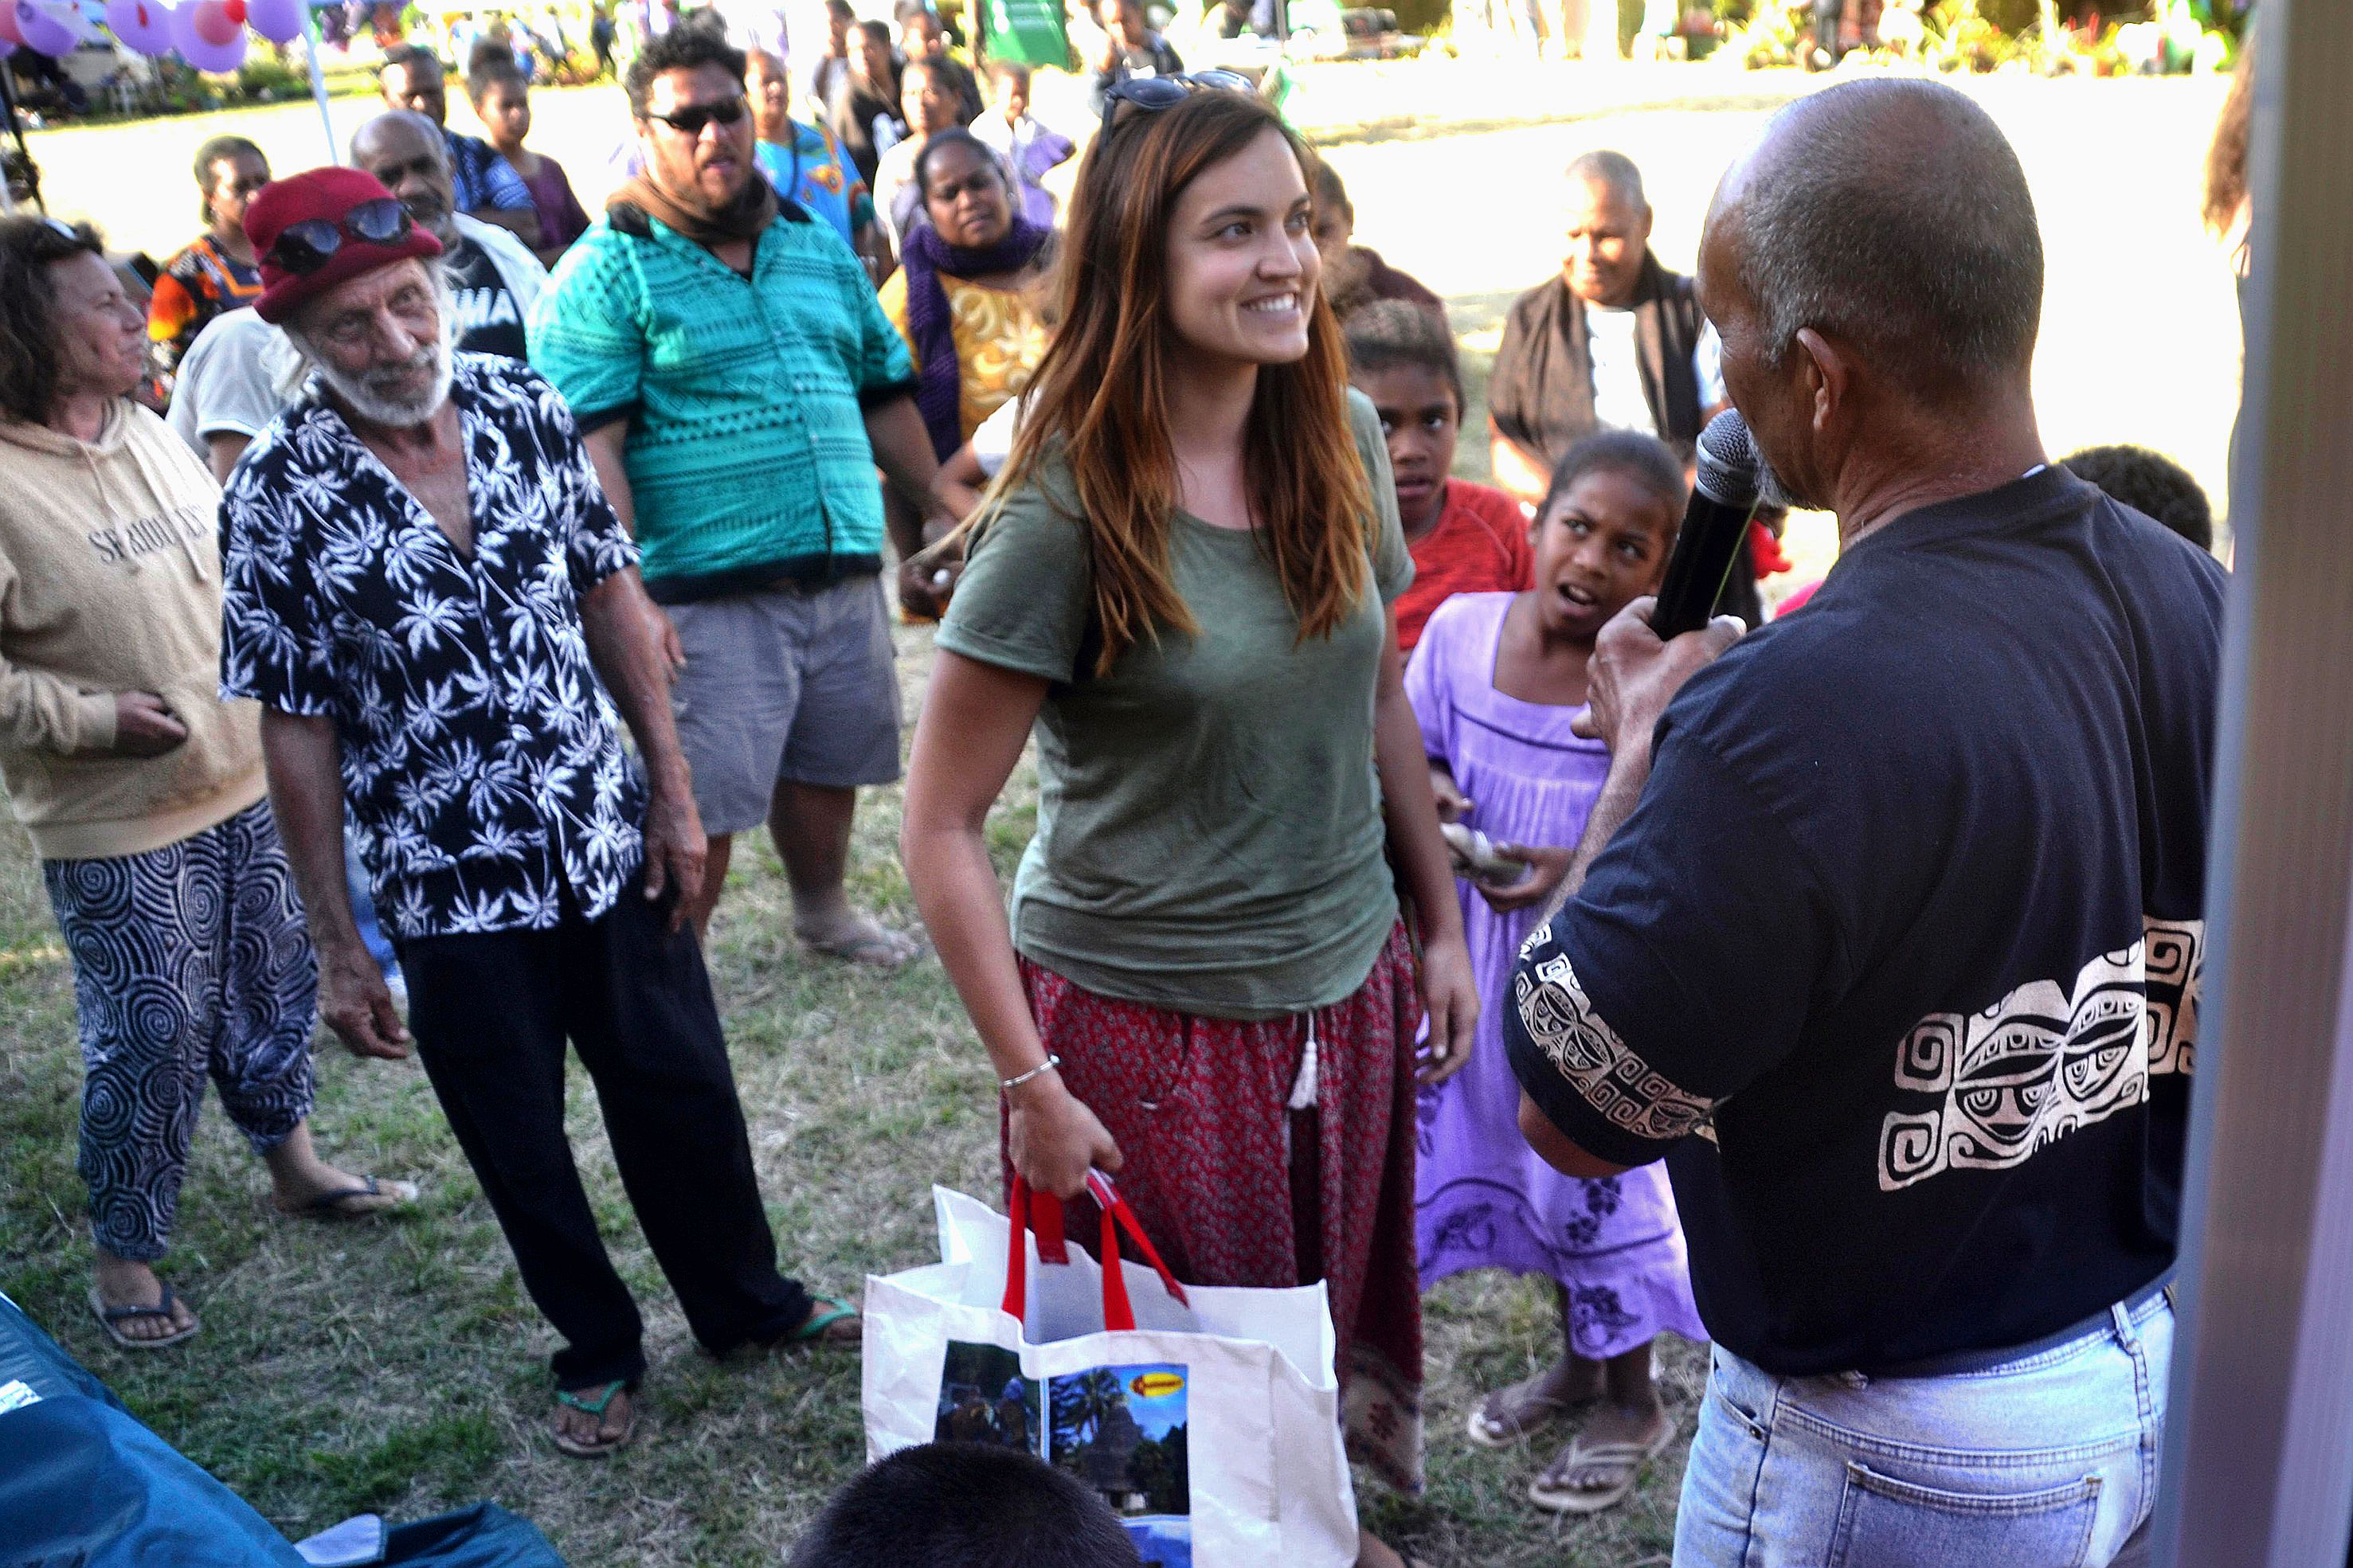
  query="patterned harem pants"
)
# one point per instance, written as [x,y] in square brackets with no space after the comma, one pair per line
[1236,1188]
[188,959]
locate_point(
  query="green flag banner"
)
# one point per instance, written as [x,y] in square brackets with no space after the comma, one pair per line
[1029,31]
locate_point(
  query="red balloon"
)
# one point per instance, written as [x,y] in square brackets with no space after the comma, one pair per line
[233,10]
[200,52]
[212,22]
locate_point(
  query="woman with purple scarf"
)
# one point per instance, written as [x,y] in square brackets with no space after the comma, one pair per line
[965,296]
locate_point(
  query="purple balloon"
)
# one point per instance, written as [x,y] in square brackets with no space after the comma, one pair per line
[45,32]
[6,49]
[218,59]
[141,25]
[280,21]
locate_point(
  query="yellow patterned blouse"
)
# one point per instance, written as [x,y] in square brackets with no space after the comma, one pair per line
[998,341]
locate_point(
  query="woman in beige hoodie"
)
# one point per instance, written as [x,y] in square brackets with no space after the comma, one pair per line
[142,791]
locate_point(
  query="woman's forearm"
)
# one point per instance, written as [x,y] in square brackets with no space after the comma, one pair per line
[963,907]
[975,722]
[1409,812]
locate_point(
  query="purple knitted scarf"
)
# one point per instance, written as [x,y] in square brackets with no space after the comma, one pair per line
[939,384]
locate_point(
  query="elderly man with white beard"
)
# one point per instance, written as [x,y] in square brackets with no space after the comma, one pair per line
[423,586]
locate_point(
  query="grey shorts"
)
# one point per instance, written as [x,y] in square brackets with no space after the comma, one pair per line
[787,684]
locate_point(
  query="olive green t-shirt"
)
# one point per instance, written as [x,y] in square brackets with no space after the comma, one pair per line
[1208,819]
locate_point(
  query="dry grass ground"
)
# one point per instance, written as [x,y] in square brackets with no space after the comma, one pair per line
[399,1368]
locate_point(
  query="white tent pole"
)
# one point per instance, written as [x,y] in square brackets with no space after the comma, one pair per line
[2258,1454]
[318,79]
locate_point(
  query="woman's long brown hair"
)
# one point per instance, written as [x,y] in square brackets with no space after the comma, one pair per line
[1099,400]
[2226,156]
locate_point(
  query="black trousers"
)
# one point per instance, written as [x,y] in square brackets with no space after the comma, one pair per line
[491,1013]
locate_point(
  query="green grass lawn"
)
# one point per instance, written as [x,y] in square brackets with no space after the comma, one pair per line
[398,1368]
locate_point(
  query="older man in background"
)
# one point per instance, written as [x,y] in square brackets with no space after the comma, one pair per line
[427,593]
[738,385]
[1615,342]
[1892,940]
[493,277]
[488,187]
[241,370]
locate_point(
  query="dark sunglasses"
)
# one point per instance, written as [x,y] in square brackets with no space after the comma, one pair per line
[690,121]
[1151,94]
[303,248]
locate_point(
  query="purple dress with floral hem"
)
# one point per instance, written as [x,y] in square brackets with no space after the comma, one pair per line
[1483,1199]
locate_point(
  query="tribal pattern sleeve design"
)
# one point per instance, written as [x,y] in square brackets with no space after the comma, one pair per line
[1630,1094]
[1990,1088]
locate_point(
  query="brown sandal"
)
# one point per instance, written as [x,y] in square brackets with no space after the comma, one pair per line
[1552,1492]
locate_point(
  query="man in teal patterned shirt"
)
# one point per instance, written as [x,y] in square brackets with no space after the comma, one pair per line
[738,385]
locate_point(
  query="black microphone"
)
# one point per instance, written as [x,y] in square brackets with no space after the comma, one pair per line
[1715,519]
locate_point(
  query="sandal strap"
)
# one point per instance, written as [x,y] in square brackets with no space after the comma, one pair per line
[1580,1455]
[826,1311]
[162,1309]
[1520,1404]
[597,1406]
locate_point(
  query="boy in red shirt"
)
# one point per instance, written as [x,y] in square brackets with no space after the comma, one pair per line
[1466,538]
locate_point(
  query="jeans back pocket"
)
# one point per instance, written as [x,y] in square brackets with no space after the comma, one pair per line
[1886,1523]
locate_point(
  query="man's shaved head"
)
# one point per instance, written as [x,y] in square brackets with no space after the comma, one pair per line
[399,130]
[1614,170]
[406,150]
[1891,215]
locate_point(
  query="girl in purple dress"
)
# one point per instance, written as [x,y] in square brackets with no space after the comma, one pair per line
[1497,681]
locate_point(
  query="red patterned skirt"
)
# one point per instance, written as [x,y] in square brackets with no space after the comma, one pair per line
[1236,1188]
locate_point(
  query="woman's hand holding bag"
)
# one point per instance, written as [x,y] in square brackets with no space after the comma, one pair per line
[1053,1139]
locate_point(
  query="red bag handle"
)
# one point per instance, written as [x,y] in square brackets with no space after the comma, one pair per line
[1043,1212]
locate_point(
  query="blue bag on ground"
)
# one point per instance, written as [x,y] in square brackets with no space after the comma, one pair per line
[82,1482]
[482,1536]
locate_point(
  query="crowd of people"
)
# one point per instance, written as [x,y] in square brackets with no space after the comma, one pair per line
[1400,904]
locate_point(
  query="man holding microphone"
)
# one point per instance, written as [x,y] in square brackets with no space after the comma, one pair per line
[1886,930]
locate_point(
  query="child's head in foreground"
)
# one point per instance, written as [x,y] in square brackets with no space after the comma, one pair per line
[965,1505]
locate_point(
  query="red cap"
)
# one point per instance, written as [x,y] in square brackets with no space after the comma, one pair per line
[328,193]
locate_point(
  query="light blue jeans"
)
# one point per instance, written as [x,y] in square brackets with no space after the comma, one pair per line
[2048,1460]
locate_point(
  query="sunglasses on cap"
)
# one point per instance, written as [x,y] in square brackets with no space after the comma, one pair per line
[301,249]
[690,121]
[1151,94]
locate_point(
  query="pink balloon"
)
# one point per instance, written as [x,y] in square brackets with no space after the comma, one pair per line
[11,32]
[212,22]
[219,59]
[280,21]
[141,25]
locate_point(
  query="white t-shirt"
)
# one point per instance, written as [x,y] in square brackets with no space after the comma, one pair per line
[1618,400]
[993,442]
[234,379]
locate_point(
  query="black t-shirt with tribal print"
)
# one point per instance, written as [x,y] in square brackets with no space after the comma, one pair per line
[1897,961]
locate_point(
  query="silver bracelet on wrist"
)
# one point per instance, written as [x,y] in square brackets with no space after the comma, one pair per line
[1018,1079]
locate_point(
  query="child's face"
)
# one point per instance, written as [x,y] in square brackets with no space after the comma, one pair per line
[1601,547]
[1012,98]
[1333,227]
[1422,420]
[506,111]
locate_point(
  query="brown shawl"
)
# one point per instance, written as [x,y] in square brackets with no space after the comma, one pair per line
[746,218]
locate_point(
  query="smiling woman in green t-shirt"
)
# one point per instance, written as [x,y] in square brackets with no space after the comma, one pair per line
[1183,580]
